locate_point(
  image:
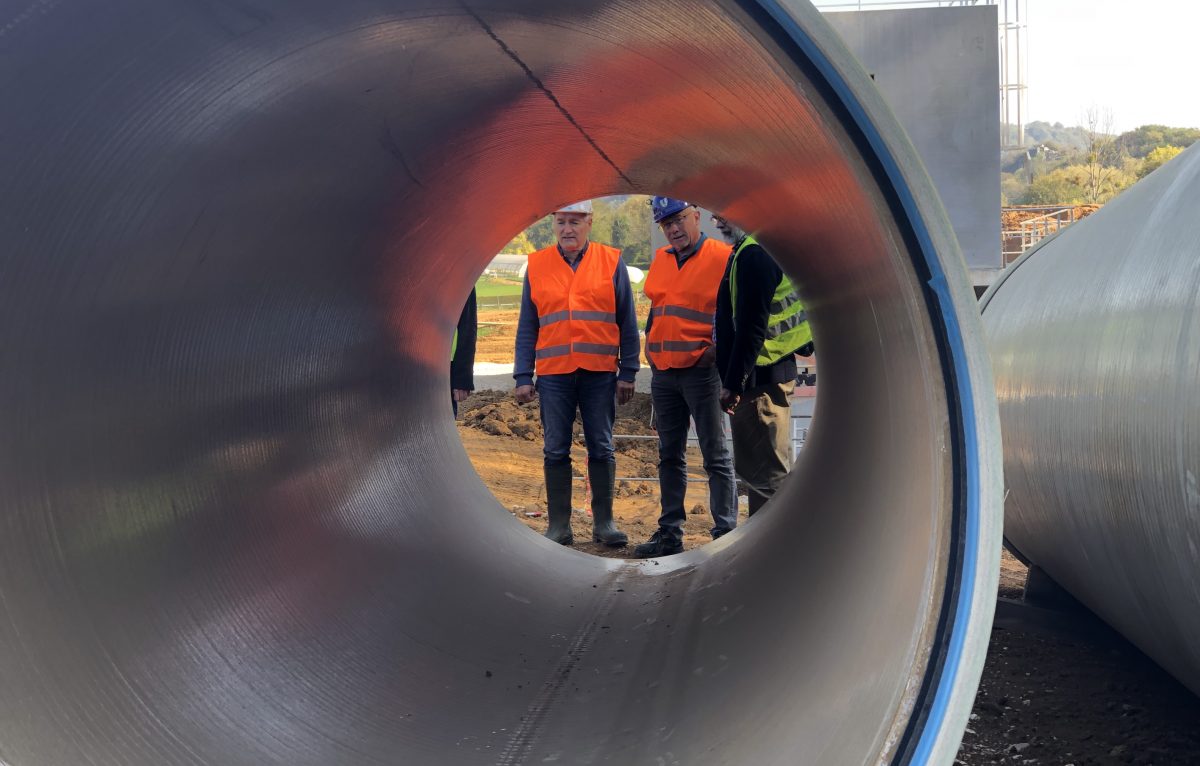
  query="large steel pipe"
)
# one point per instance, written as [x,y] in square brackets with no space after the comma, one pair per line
[238,527]
[1094,339]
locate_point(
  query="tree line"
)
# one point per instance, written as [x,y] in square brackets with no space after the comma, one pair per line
[623,222]
[1088,163]
[1064,166]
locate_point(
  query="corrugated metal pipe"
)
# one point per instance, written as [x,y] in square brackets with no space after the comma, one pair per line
[1095,342]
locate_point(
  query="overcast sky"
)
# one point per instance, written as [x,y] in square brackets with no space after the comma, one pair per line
[1139,59]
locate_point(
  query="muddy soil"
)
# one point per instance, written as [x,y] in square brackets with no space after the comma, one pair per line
[504,441]
[1076,693]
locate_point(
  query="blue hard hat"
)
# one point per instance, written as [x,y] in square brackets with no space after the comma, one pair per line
[665,207]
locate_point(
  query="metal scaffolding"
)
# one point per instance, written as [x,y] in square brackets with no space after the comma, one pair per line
[1013,60]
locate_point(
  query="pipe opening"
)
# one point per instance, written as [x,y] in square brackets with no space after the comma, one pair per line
[506,441]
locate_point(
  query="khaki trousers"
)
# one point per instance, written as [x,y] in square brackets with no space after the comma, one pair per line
[762,440]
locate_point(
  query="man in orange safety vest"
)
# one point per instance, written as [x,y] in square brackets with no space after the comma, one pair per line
[577,331]
[682,286]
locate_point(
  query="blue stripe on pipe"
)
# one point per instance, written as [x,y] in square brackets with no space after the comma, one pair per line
[957,349]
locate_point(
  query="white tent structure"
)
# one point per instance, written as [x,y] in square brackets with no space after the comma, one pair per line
[508,265]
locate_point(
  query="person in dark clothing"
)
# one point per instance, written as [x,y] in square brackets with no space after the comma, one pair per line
[462,354]
[682,286]
[760,327]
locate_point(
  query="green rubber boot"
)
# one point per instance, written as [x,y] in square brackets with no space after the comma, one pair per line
[602,477]
[558,503]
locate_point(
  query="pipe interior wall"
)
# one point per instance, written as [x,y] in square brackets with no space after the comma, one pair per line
[1093,338]
[238,527]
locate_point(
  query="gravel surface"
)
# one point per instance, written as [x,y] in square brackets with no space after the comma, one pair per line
[1061,688]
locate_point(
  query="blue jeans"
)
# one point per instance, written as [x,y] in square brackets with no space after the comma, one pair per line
[678,394]
[593,394]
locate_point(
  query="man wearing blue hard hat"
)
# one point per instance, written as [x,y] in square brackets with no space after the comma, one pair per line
[682,286]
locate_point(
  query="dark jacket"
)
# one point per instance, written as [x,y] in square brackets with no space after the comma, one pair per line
[737,348]
[462,366]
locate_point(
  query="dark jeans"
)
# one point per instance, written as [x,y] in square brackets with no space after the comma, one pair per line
[678,394]
[593,394]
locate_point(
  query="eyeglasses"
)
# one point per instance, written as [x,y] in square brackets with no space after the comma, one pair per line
[675,220]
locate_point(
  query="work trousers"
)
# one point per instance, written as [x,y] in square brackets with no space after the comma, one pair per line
[762,440]
[679,394]
[593,395]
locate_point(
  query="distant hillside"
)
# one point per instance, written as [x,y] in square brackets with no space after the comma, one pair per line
[1060,165]
[1136,143]
[1147,138]
[1038,132]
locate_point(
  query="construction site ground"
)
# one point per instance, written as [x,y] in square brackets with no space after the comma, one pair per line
[504,441]
[1069,693]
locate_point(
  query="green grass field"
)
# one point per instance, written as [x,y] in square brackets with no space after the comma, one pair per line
[487,287]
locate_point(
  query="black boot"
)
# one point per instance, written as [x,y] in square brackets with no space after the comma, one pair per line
[661,543]
[558,503]
[602,476]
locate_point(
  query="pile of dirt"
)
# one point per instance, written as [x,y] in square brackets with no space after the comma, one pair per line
[498,414]
[634,417]
[634,488]
[1019,230]
[1012,217]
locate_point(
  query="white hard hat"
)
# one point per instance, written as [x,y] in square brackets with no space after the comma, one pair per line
[578,207]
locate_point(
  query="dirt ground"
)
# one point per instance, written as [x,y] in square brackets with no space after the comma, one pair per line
[497,334]
[1074,692]
[504,442]
[1067,692]
[1012,576]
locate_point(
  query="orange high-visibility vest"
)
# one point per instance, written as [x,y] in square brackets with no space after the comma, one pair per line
[683,303]
[577,310]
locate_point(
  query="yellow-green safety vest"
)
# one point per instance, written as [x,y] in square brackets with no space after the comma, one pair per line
[454,345]
[787,325]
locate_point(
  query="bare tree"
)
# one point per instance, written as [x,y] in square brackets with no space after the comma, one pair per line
[1103,152]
